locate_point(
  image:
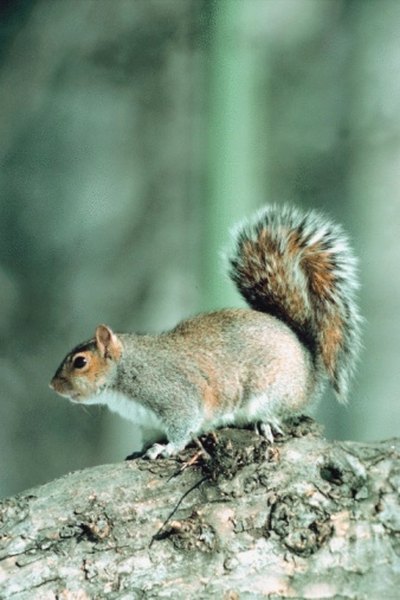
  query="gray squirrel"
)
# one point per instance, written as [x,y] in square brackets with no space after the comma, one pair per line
[258,365]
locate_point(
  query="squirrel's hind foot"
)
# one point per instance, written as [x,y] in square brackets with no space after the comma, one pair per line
[269,430]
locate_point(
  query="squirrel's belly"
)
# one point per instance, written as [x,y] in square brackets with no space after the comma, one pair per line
[129,409]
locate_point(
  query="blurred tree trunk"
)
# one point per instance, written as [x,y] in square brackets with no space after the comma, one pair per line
[306,518]
[236,143]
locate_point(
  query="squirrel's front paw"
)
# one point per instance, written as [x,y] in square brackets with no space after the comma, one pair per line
[164,450]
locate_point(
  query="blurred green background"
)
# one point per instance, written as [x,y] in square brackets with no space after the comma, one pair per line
[133,134]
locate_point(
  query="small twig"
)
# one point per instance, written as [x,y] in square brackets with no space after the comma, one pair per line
[191,461]
[157,534]
[187,463]
[202,450]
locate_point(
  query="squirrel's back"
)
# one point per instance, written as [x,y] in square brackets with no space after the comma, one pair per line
[300,268]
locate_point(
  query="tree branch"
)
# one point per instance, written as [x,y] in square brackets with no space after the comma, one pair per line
[305,518]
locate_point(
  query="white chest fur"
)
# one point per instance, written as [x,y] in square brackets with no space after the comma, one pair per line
[128,408]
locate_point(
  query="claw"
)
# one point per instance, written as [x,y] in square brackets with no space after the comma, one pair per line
[269,430]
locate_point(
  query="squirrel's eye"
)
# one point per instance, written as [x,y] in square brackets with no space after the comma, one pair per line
[79,362]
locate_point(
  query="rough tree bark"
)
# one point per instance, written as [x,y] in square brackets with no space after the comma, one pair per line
[306,518]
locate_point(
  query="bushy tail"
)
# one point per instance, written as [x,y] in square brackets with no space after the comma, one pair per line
[300,268]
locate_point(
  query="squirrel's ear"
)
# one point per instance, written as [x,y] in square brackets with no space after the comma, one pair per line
[107,342]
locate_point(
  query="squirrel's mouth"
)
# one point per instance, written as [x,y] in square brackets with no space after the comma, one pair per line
[58,386]
[72,396]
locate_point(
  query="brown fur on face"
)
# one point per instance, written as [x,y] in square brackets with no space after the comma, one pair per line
[81,382]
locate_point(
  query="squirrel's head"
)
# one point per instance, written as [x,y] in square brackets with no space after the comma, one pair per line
[89,368]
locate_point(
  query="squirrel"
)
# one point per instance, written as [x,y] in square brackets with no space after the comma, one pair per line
[257,365]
